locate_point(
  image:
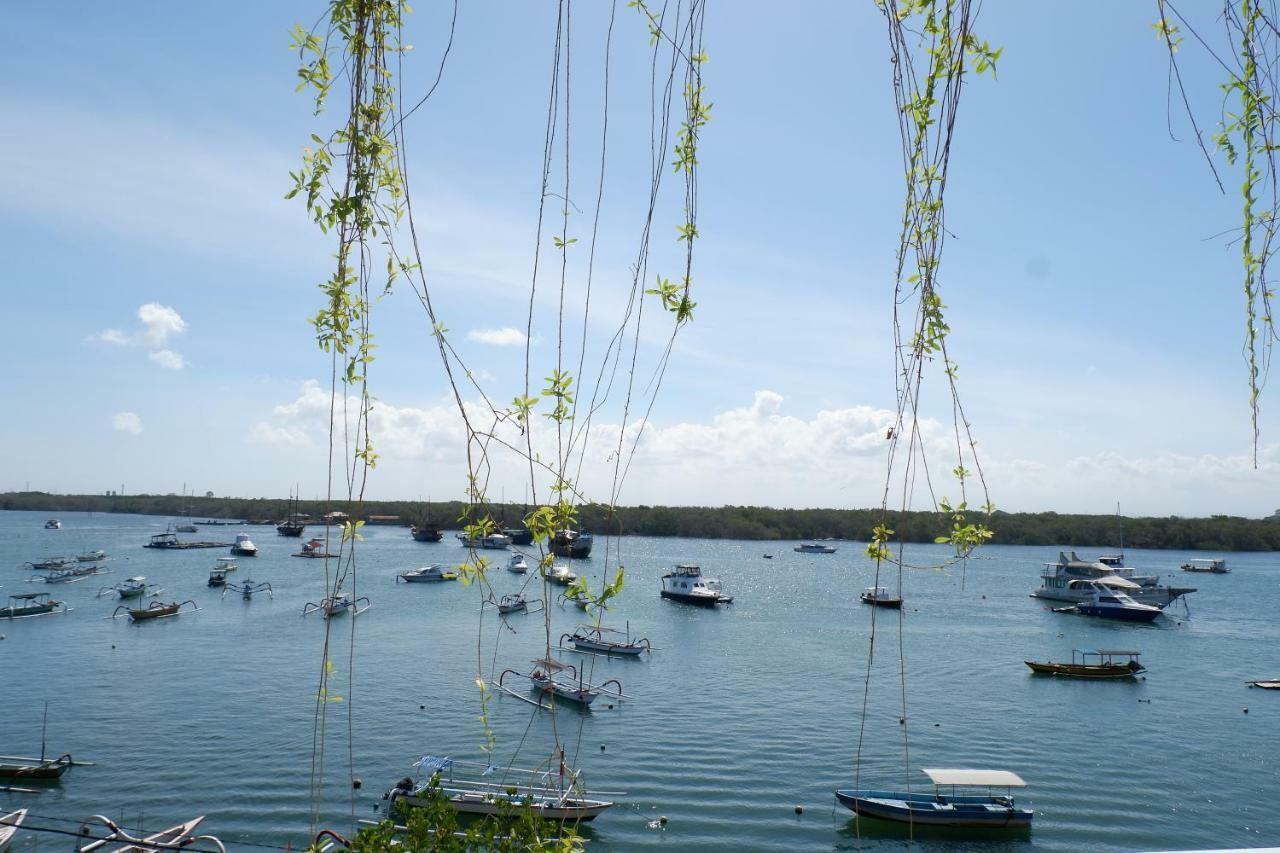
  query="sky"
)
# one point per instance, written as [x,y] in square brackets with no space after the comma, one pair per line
[158,286]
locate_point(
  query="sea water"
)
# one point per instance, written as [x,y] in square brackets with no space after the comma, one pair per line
[740,715]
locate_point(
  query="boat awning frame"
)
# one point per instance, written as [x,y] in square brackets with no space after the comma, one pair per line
[984,778]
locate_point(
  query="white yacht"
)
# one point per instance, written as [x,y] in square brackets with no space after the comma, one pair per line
[493,542]
[244,546]
[687,584]
[517,564]
[1055,581]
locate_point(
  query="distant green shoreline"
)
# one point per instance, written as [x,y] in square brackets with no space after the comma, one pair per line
[1216,533]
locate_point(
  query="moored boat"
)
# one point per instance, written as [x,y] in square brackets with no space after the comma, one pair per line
[562,681]
[91,556]
[1056,580]
[880,596]
[243,546]
[24,604]
[1215,566]
[338,604]
[427,574]
[1108,599]
[173,838]
[53,524]
[134,587]
[154,610]
[16,768]
[9,827]
[945,809]
[598,639]
[686,584]
[572,544]
[815,548]
[1104,663]
[517,564]
[425,533]
[51,564]
[513,603]
[519,535]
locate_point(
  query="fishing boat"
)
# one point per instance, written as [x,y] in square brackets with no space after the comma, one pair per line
[91,556]
[514,603]
[1104,663]
[1216,566]
[517,564]
[25,604]
[551,794]
[686,584]
[49,565]
[337,604]
[880,596]
[248,589]
[226,564]
[427,574]
[174,838]
[815,548]
[578,597]
[53,524]
[134,587]
[561,681]
[491,541]
[17,768]
[561,574]
[243,546]
[72,575]
[425,533]
[597,639]
[1055,580]
[1266,684]
[945,807]
[168,541]
[1108,599]
[154,610]
[314,549]
[9,827]
[217,577]
[572,544]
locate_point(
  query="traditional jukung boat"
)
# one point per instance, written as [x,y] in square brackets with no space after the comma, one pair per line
[548,679]
[92,556]
[597,639]
[77,573]
[53,524]
[9,827]
[579,597]
[25,604]
[174,838]
[51,564]
[947,809]
[880,596]
[217,577]
[558,795]
[1104,663]
[1266,684]
[134,587]
[427,574]
[492,541]
[154,610]
[1214,566]
[248,589]
[338,604]
[17,768]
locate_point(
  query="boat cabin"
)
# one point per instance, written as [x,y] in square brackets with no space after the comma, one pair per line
[164,540]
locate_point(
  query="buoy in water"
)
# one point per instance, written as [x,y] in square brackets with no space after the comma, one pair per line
[799,809]
[356,783]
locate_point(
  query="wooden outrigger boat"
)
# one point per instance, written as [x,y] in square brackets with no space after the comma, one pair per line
[597,639]
[154,610]
[515,603]
[92,556]
[9,827]
[1266,684]
[880,596]
[552,794]
[134,587]
[1104,663]
[26,604]
[174,838]
[17,768]
[546,679]
[248,589]
[945,809]
[580,597]
[51,564]
[71,575]
[337,605]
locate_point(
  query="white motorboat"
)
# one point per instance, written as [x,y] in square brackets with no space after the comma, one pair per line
[517,564]
[53,524]
[427,574]
[492,542]
[1055,581]
[92,556]
[1108,598]
[561,574]
[1213,566]
[243,546]
[687,584]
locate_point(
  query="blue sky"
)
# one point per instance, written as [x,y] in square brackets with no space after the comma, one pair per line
[1097,329]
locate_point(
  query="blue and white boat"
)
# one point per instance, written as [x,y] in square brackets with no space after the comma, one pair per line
[688,585]
[946,807]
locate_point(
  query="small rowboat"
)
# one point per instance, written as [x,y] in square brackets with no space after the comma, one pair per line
[248,589]
[9,827]
[517,564]
[134,587]
[1103,663]
[598,639]
[154,610]
[879,596]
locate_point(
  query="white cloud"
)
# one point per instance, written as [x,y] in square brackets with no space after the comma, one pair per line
[507,337]
[127,422]
[167,358]
[157,324]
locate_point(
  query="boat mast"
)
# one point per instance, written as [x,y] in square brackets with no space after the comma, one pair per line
[1120,522]
[44,729]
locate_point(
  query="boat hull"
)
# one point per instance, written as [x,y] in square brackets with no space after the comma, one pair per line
[1082,671]
[1161,596]
[1118,614]
[425,534]
[698,600]
[892,603]
[476,803]
[928,810]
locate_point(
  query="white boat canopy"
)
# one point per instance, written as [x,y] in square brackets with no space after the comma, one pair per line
[984,778]
[1117,583]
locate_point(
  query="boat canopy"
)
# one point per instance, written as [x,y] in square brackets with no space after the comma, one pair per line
[1113,582]
[986,778]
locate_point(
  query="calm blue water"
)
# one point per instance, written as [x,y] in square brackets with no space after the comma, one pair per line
[744,712]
